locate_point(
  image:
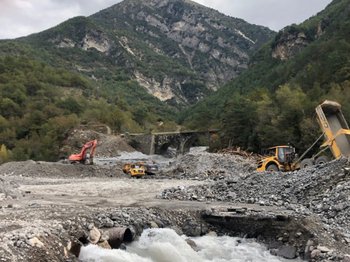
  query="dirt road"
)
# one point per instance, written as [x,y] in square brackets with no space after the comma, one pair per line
[97,192]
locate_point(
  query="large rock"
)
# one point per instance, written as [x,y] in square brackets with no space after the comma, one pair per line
[287,252]
[94,235]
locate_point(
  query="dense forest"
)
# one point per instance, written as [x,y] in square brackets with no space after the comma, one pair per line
[39,105]
[273,102]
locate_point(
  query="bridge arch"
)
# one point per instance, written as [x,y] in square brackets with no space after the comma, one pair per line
[158,143]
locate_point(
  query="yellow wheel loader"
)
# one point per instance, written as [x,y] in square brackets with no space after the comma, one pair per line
[337,138]
[135,170]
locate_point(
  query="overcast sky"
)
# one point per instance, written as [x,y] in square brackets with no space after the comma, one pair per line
[23,17]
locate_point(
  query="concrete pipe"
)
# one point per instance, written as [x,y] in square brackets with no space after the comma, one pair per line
[74,248]
[119,235]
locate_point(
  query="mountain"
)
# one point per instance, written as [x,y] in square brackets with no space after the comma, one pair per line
[273,101]
[116,67]
[177,50]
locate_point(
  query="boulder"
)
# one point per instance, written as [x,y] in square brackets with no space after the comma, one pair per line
[288,252]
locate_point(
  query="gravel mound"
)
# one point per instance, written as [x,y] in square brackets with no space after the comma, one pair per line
[204,165]
[323,190]
[107,145]
[32,168]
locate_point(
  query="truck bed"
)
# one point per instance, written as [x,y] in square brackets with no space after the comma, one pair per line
[343,141]
[333,122]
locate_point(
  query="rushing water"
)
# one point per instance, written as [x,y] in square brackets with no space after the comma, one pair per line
[164,245]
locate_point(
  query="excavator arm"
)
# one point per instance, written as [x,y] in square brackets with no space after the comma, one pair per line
[82,156]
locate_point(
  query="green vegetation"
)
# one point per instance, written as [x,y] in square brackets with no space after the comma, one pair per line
[273,102]
[47,89]
[39,105]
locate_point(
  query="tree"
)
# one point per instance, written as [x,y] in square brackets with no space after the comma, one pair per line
[5,154]
[239,123]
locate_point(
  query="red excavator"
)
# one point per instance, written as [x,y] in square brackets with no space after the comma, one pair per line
[83,157]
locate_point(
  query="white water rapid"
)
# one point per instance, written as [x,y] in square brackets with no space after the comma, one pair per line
[164,245]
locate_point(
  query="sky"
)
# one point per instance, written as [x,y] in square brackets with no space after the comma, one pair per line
[23,17]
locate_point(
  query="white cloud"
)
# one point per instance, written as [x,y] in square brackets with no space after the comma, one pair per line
[23,17]
[274,14]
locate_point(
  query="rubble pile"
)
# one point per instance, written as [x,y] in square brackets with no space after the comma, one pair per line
[9,189]
[323,190]
[206,165]
[183,222]
[54,235]
[32,168]
[238,151]
[107,145]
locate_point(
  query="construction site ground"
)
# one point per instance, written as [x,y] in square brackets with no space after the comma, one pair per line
[44,204]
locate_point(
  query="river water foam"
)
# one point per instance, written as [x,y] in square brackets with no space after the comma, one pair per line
[164,245]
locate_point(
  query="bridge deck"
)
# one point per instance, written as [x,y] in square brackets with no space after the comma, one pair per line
[176,132]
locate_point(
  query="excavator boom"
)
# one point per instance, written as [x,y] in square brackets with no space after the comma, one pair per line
[82,156]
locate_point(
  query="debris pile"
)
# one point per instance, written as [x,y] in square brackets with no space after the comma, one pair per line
[32,168]
[238,151]
[206,165]
[323,190]
[107,145]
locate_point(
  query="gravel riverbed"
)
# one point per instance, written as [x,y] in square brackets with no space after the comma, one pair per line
[46,205]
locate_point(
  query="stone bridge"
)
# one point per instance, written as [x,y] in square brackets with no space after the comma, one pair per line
[158,143]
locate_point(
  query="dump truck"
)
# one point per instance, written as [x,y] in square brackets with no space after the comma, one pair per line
[336,133]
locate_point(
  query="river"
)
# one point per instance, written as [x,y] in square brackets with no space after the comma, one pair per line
[164,245]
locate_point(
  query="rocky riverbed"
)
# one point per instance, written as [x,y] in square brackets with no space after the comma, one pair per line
[46,206]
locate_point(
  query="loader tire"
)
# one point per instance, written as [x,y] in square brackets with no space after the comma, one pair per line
[321,160]
[307,162]
[272,168]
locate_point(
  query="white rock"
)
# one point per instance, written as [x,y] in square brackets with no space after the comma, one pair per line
[94,235]
[324,249]
[35,242]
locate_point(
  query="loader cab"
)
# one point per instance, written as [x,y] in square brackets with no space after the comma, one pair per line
[277,158]
[285,154]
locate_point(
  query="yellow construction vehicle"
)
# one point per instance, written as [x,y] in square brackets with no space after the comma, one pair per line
[135,170]
[278,158]
[140,168]
[337,138]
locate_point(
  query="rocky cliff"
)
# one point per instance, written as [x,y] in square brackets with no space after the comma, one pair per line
[178,50]
[292,40]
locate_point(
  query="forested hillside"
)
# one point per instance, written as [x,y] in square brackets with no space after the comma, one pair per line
[39,105]
[102,70]
[273,102]
[132,66]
